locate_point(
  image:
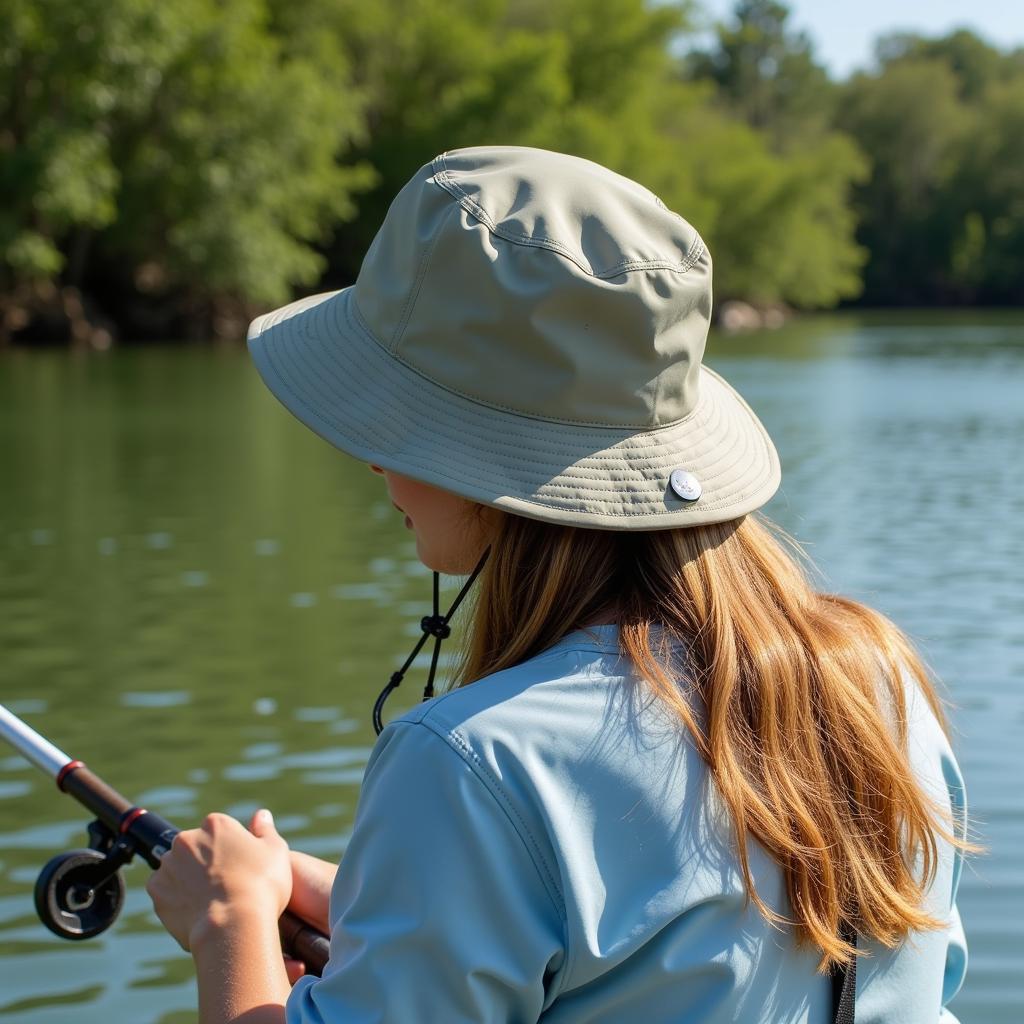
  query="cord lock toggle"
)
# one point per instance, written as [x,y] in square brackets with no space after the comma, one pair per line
[435,625]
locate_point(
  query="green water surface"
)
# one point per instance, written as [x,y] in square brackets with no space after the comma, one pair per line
[201,599]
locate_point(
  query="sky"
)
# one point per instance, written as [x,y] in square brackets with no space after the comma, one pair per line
[843,33]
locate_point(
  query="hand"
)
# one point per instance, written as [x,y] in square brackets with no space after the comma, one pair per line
[216,876]
[312,880]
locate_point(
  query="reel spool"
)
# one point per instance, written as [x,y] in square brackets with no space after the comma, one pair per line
[77,896]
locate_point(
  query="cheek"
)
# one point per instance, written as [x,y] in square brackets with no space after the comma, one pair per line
[406,493]
[439,523]
[436,522]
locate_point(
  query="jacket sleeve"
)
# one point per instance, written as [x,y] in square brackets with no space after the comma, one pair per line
[438,911]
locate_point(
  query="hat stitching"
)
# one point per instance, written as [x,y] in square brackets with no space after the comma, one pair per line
[554,450]
[355,318]
[646,440]
[730,497]
[591,461]
[723,500]
[558,505]
[445,180]
[640,440]
[352,430]
[693,254]
[443,177]
[364,397]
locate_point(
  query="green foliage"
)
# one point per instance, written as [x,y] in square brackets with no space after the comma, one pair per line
[234,171]
[177,161]
[782,228]
[943,211]
[910,120]
[179,136]
[56,170]
[436,77]
[786,232]
[561,74]
[766,73]
[974,63]
[987,197]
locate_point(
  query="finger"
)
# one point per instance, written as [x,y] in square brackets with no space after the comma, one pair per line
[262,824]
[153,887]
[259,821]
[217,822]
[263,828]
[163,912]
[295,969]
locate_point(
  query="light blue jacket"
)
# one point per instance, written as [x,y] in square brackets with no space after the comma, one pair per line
[544,846]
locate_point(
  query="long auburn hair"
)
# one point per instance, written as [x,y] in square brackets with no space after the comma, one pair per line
[802,716]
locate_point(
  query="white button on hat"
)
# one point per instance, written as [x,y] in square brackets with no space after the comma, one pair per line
[685,485]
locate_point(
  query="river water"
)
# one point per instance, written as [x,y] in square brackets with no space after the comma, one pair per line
[201,599]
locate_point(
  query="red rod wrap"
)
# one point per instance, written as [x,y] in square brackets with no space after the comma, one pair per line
[66,771]
[130,817]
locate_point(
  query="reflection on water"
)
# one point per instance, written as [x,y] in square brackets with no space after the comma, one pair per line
[201,599]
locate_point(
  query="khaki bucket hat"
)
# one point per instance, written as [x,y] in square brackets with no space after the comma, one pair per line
[527,330]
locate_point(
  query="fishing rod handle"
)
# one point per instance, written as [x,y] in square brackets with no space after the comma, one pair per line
[82,783]
[301,942]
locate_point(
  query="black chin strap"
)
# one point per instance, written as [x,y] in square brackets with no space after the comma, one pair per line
[435,625]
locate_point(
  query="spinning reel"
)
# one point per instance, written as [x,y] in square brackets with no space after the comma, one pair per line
[80,893]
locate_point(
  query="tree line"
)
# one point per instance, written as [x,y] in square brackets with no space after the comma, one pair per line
[168,169]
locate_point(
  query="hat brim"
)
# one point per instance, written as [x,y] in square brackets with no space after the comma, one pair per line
[329,372]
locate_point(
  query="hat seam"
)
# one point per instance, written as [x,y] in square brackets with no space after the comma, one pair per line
[712,413]
[443,178]
[414,293]
[654,447]
[555,451]
[551,451]
[355,314]
[442,471]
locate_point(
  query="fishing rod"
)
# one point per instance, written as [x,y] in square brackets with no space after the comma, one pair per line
[80,893]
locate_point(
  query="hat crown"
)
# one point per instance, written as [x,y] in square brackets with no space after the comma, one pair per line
[542,284]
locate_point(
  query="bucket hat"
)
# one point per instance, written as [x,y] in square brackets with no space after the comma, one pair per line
[527,330]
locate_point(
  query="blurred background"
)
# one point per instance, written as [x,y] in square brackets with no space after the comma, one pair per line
[202,599]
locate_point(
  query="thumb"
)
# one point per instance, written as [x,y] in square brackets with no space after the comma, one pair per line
[262,824]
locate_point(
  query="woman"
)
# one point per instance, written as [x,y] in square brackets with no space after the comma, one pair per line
[672,782]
